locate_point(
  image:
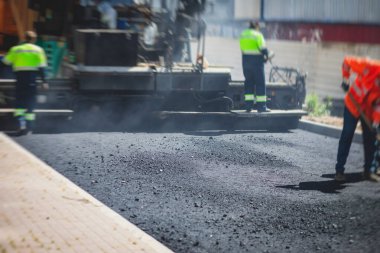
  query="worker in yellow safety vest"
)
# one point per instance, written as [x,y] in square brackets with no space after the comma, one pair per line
[254,55]
[28,61]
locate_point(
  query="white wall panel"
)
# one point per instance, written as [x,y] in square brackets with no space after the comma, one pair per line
[247,9]
[350,11]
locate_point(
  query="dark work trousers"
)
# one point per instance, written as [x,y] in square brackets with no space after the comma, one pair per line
[376,158]
[253,70]
[349,126]
[26,90]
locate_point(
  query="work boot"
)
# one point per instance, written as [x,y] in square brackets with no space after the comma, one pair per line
[340,177]
[29,126]
[22,126]
[371,176]
[263,109]
[248,106]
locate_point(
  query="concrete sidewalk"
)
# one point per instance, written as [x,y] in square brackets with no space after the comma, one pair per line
[42,211]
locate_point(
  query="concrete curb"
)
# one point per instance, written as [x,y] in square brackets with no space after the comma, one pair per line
[326,130]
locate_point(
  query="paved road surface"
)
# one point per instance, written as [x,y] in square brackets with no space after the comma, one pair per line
[217,191]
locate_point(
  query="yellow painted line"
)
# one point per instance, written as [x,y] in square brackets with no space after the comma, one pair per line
[42,211]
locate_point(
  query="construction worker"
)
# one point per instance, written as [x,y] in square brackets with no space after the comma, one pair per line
[355,107]
[28,61]
[254,55]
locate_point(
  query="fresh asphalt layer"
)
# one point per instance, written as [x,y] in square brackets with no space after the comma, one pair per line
[220,191]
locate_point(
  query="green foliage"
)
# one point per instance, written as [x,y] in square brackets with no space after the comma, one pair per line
[317,108]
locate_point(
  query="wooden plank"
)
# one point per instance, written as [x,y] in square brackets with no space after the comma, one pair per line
[18,18]
[2,16]
[42,211]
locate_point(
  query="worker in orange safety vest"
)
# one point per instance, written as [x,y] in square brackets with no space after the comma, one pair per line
[355,108]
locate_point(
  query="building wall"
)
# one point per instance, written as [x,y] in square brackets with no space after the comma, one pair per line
[350,33]
[244,9]
[319,11]
[352,21]
[327,11]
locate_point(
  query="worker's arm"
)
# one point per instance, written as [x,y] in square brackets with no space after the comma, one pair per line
[43,65]
[345,85]
[44,84]
[265,53]
[262,47]
[8,58]
[42,74]
[352,65]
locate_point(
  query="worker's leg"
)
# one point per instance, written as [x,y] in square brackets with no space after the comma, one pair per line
[30,116]
[376,159]
[369,138]
[249,82]
[20,104]
[31,101]
[375,166]
[349,126]
[261,98]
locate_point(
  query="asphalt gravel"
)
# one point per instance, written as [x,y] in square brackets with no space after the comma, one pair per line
[220,191]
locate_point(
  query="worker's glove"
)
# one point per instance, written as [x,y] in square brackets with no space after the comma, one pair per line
[45,86]
[265,54]
[345,86]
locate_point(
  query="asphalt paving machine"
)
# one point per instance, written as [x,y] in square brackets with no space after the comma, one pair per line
[116,73]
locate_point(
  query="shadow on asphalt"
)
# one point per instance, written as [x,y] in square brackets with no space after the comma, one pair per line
[330,186]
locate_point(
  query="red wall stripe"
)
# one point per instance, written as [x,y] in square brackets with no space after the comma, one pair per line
[349,33]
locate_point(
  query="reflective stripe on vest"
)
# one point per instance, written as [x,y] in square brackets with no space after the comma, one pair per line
[19,112]
[249,97]
[251,52]
[357,90]
[261,98]
[30,116]
[25,68]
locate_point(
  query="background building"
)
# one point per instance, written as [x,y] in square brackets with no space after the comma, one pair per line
[312,35]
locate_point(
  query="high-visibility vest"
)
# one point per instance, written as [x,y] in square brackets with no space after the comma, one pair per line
[251,42]
[366,71]
[26,57]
